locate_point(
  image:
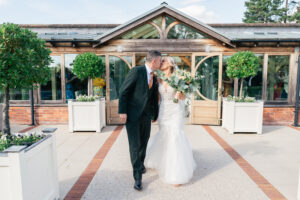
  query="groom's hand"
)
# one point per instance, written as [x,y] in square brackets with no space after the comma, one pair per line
[123,118]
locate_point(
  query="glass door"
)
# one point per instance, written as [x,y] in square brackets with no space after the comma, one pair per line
[117,67]
[206,104]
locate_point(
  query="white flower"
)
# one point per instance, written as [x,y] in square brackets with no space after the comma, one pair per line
[3,137]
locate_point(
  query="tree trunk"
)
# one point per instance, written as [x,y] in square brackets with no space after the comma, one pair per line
[6,128]
[241,87]
[236,87]
[90,86]
[286,11]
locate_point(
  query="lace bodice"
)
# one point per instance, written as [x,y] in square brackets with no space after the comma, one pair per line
[166,94]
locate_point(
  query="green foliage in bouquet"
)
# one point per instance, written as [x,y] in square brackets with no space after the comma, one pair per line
[181,80]
[242,65]
[88,65]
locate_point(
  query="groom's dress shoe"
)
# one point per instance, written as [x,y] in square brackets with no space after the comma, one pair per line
[138,185]
[144,171]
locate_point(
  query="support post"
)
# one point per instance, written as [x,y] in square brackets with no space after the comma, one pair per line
[297,94]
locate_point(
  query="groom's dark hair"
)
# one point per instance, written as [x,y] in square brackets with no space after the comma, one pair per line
[151,55]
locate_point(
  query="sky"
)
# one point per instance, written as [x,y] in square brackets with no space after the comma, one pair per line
[113,11]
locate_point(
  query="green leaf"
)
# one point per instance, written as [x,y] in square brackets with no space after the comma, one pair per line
[88,65]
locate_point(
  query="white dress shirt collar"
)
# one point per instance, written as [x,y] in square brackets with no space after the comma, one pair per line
[149,70]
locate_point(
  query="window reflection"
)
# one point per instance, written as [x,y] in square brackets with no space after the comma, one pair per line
[169,20]
[140,60]
[99,84]
[15,94]
[52,90]
[118,72]
[252,86]
[74,86]
[278,78]
[158,21]
[207,76]
[147,31]
[227,83]
[181,31]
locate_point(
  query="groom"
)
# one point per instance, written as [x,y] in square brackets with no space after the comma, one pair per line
[138,104]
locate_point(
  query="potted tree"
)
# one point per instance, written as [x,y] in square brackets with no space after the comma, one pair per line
[242,114]
[26,160]
[87,113]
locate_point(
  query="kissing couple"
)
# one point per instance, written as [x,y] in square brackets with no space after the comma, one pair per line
[145,98]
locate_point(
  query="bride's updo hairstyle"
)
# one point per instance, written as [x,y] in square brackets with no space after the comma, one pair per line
[172,62]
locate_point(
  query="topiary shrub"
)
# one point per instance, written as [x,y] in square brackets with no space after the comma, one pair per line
[242,65]
[88,65]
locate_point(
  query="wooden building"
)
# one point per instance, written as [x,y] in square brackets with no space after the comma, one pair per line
[197,47]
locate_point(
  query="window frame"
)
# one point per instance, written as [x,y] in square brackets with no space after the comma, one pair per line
[265,76]
[63,86]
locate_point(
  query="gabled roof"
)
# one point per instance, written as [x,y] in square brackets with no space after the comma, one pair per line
[164,8]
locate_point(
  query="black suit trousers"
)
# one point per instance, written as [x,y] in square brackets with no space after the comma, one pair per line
[138,135]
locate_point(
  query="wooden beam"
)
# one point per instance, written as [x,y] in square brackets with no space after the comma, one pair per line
[169,28]
[173,14]
[265,74]
[158,29]
[163,27]
[74,44]
[135,24]
[53,44]
[187,61]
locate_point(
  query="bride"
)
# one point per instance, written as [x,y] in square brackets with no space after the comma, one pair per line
[169,151]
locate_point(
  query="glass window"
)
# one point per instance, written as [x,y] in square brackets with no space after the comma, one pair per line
[227,83]
[118,72]
[169,20]
[140,59]
[207,75]
[181,31]
[99,84]
[52,90]
[147,31]
[278,77]
[252,86]
[183,62]
[17,94]
[74,86]
[158,21]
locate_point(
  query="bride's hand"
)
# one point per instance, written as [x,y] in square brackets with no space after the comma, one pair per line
[180,95]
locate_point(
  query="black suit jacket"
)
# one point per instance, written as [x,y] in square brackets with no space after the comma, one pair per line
[134,94]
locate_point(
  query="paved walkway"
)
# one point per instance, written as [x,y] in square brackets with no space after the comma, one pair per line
[240,166]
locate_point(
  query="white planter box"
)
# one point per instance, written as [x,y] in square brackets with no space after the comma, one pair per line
[298,195]
[242,116]
[86,116]
[30,173]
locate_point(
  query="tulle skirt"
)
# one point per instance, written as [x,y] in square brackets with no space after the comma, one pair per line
[169,151]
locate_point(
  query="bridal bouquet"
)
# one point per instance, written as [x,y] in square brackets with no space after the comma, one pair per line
[181,80]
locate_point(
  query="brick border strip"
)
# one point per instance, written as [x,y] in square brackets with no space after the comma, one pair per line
[294,127]
[88,174]
[260,181]
[27,129]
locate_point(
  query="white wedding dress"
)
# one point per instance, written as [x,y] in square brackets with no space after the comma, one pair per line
[169,151]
